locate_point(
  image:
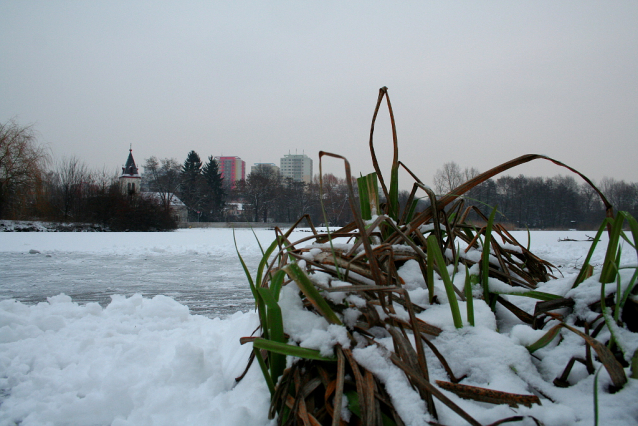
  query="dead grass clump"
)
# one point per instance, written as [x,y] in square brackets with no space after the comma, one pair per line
[348,284]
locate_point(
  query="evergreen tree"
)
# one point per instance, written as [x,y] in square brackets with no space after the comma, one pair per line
[214,196]
[191,185]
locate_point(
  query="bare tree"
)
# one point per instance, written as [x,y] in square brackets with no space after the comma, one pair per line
[622,195]
[104,180]
[334,200]
[22,166]
[261,188]
[470,173]
[163,177]
[294,202]
[448,178]
[72,181]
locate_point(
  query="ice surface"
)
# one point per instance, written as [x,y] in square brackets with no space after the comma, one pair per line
[197,267]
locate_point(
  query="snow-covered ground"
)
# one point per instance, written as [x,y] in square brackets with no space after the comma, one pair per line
[144,328]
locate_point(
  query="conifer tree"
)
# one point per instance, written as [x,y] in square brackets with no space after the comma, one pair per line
[215,196]
[191,185]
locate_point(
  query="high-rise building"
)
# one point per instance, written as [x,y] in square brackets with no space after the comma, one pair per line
[269,166]
[232,169]
[298,167]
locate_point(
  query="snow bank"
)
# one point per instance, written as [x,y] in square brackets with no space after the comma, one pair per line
[136,362]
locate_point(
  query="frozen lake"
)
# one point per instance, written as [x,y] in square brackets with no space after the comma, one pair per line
[197,267]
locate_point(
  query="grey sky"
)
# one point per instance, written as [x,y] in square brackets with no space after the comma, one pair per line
[478,83]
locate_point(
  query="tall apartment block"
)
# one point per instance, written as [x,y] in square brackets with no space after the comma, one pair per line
[297,167]
[232,169]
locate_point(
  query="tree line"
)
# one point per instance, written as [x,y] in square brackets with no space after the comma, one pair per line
[32,186]
[559,202]
[263,196]
[199,186]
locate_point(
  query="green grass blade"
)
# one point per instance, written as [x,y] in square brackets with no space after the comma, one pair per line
[368,195]
[546,339]
[310,291]
[353,402]
[633,226]
[469,298]
[618,287]
[607,316]
[275,322]
[468,233]
[485,258]
[430,277]
[435,251]
[608,273]
[275,331]
[290,350]
[276,283]
[264,370]
[364,198]
[583,270]
[457,256]
[258,242]
[596,396]
[264,261]
[411,211]
[258,300]
[393,202]
[533,294]
[246,271]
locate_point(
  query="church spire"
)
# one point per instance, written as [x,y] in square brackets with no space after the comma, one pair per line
[130,169]
[130,178]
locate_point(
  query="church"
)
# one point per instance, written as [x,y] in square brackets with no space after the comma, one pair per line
[130,184]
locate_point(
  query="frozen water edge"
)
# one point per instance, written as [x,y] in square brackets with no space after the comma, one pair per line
[211,286]
[198,268]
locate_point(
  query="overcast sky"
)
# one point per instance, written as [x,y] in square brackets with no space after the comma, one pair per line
[478,83]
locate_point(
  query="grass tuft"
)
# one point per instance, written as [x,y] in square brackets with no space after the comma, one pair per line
[365,267]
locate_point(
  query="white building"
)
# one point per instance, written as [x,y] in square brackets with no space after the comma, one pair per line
[297,167]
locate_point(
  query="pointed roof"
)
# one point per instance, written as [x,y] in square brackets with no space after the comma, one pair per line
[130,169]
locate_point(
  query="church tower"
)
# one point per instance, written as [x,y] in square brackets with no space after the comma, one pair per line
[130,178]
